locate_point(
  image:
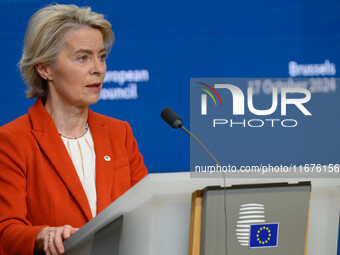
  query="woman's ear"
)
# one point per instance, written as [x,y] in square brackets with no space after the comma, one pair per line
[43,71]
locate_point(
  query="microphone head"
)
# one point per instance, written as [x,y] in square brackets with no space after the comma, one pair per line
[171,118]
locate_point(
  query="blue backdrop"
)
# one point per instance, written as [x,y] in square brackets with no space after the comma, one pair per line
[160,45]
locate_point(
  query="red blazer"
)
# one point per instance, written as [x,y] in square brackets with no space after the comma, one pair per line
[39,185]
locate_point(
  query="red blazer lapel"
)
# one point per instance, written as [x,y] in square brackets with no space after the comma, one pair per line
[46,134]
[104,160]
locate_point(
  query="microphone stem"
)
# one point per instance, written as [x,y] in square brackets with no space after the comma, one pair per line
[199,142]
[224,182]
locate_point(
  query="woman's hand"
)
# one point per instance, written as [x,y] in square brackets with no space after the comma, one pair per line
[50,239]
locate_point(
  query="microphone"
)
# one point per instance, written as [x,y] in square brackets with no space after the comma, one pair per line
[170,117]
[175,122]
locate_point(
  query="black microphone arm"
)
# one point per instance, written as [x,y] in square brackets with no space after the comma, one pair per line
[201,144]
[175,122]
[170,117]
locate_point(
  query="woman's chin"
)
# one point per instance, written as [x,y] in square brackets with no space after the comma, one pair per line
[92,100]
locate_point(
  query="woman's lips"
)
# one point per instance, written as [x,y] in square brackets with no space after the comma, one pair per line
[94,86]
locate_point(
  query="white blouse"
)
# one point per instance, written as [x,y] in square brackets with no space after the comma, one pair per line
[81,151]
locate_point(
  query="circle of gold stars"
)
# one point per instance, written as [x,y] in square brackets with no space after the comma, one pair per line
[258,235]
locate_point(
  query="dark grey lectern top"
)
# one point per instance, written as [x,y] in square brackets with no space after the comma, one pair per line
[262,219]
[106,241]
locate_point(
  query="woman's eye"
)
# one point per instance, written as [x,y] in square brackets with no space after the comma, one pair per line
[82,58]
[103,57]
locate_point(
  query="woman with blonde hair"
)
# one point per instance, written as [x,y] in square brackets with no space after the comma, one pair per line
[61,163]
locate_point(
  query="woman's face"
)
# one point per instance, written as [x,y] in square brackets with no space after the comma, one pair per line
[76,78]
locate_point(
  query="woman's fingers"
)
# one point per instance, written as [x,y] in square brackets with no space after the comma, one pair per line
[58,239]
[73,230]
[53,238]
[50,242]
[45,240]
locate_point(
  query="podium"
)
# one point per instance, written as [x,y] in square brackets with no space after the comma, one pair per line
[156,216]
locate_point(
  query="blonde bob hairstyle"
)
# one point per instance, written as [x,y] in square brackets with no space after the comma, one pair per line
[45,37]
